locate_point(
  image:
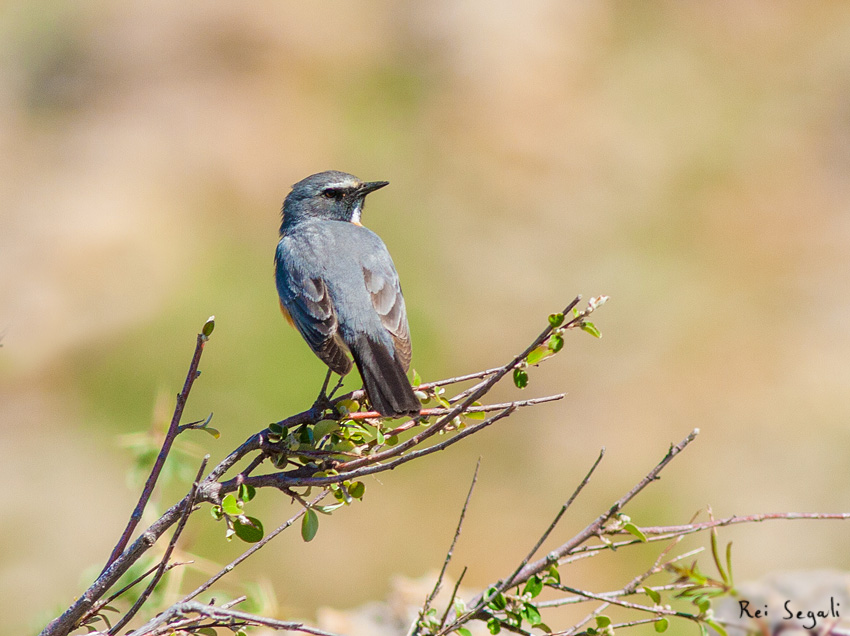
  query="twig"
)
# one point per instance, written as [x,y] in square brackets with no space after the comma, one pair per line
[502,586]
[170,436]
[480,389]
[630,588]
[369,415]
[572,600]
[438,583]
[592,529]
[452,597]
[163,564]
[221,614]
[736,519]
[226,569]
[283,480]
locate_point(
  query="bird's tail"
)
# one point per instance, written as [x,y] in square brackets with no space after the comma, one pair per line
[384,379]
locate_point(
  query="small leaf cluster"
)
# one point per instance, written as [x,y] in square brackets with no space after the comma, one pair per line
[514,611]
[552,345]
[701,590]
[436,396]
[231,511]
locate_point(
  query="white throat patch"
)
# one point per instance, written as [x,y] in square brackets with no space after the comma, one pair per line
[355,213]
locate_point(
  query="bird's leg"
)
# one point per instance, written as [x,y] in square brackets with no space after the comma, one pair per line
[323,401]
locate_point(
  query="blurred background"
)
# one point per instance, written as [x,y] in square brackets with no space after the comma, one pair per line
[688,159]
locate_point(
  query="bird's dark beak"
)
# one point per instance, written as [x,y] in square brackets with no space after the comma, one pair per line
[371,186]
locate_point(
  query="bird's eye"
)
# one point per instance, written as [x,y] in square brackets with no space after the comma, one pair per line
[333,193]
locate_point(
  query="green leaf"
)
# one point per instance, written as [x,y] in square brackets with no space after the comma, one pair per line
[392,440]
[556,342]
[531,614]
[654,595]
[520,378]
[216,513]
[493,625]
[476,415]
[537,355]
[553,576]
[206,631]
[533,586]
[246,492]
[309,525]
[634,530]
[498,602]
[590,328]
[305,435]
[208,327]
[250,532]
[602,621]
[729,563]
[211,431]
[661,625]
[556,320]
[344,407]
[463,631]
[357,489]
[716,627]
[416,379]
[326,510]
[230,505]
[324,427]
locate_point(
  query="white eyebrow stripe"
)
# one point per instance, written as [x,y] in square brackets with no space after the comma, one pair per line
[340,185]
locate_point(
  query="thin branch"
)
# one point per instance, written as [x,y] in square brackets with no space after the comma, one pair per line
[370,415]
[163,564]
[257,546]
[480,390]
[170,436]
[438,583]
[593,529]
[283,480]
[486,598]
[452,597]
[736,519]
[156,625]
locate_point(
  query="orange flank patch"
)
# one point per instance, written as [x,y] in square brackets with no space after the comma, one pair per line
[287,315]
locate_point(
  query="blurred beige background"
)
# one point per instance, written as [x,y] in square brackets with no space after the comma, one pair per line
[688,159]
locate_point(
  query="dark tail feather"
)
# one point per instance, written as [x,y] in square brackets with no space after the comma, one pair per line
[384,379]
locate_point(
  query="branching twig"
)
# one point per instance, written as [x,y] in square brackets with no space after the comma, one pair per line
[501,587]
[438,583]
[170,436]
[161,624]
[163,564]
[257,546]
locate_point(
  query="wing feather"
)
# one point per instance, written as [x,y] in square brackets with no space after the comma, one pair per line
[311,309]
[387,299]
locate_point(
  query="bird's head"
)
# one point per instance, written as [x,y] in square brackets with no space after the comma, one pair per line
[329,195]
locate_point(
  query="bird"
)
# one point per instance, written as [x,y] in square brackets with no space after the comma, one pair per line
[339,288]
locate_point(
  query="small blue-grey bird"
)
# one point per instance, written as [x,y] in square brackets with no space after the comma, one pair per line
[338,286]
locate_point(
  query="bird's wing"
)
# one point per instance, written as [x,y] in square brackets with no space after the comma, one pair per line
[382,283]
[308,303]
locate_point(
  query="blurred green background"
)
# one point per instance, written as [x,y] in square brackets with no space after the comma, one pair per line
[688,159]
